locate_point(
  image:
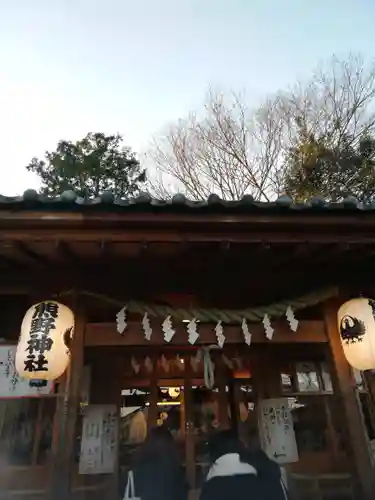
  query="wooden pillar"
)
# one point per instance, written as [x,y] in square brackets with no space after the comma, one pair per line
[266,383]
[63,453]
[332,434]
[370,387]
[223,399]
[234,404]
[152,415]
[265,373]
[189,425]
[106,381]
[38,431]
[344,385]
[260,391]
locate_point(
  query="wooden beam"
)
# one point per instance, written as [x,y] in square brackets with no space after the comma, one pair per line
[110,273]
[153,217]
[105,334]
[190,227]
[128,281]
[313,253]
[105,250]
[67,253]
[231,234]
[30,254]
[344,384]
[12,265]
[11,259]
[131,382]
[294,253]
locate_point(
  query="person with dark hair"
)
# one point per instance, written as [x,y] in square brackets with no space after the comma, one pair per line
[267,469]
[233,476]
[158,474]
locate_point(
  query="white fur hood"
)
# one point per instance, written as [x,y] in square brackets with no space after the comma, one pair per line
[230,465]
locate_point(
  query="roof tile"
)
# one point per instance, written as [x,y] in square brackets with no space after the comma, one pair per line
[69,200]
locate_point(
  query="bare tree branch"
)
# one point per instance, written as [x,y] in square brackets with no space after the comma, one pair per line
[232,150]
[220,152]
[336,103]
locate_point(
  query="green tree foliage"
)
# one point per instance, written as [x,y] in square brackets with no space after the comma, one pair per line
[96,163]
[315,168]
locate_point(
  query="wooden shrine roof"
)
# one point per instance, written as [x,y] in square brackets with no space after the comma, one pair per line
[229,253]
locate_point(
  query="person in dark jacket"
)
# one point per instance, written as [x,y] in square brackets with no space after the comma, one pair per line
[158,474]
[232,476]
[270,472]
[267,468]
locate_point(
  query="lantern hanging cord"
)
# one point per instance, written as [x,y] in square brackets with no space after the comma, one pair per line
[211,315]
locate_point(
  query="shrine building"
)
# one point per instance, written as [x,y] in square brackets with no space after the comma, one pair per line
[121,315]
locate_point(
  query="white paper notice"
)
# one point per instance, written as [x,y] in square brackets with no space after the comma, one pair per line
[99,440]
[11,384]
[276,430]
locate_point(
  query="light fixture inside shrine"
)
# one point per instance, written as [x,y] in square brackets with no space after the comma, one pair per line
[356,323]
[174,392]
[43,352]
[242,374]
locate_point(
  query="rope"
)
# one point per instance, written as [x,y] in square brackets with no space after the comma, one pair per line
[208,365]
[227,316]
[254,314]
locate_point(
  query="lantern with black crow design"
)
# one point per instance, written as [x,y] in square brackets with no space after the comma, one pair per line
[356,323]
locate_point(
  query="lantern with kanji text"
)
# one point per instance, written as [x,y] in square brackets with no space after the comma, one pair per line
[43,347]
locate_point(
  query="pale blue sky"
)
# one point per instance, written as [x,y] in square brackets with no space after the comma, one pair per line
[73,66]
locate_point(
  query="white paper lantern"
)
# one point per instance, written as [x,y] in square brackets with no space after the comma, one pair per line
[356,325]
[42,351]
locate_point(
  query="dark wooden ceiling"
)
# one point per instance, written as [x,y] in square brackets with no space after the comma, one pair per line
[226,274]
[227,261]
